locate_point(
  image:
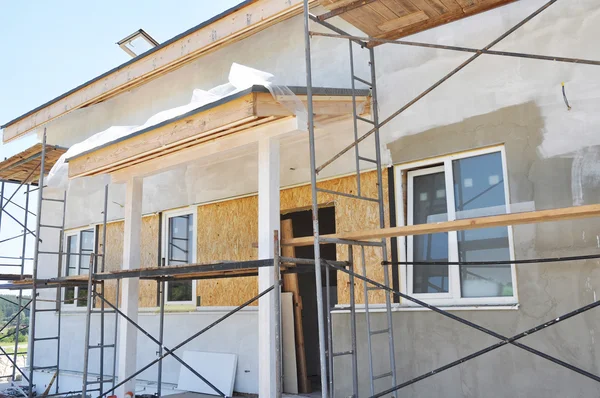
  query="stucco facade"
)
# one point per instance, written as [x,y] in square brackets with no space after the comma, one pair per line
[552,160]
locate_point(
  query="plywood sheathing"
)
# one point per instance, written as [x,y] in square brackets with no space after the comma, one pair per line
[227,231]
[19,167]
[393,19]
[114,257]
[350,215]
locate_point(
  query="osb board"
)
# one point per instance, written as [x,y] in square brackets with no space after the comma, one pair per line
[149,256]
[227,231]
[350,215]
[393,19]
[26,164]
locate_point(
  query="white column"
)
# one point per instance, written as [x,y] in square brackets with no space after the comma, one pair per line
[268,222]
[127,350]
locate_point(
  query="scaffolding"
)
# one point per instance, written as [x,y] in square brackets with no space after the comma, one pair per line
[94,281]
[327,358]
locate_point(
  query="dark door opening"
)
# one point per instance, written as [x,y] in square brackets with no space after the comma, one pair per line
[302,226]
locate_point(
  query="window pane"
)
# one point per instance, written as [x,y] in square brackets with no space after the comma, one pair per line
[180,247]
[72,259]
[429,205]
[82,297]
[180,291]
[69,295]
[479,186]
[479,191]
[87,247]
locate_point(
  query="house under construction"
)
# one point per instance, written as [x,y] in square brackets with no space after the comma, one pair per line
[373,198]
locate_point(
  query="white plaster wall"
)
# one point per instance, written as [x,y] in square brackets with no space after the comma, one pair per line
[568,28]
[237,335]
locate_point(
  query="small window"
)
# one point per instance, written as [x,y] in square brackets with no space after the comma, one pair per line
[80,244]
[180,246]
[457,187]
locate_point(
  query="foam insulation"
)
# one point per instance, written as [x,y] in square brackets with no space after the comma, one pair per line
[240,78]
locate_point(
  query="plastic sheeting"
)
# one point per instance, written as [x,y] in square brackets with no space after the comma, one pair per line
[240,78]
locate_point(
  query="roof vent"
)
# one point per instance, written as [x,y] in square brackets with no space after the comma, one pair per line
[137,43]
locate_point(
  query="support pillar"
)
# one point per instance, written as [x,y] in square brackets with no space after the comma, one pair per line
[268,222]
[127,351]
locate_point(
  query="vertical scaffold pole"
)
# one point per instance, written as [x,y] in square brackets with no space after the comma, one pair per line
[353,323]
[161,334]
[102,285]
[386,274]
[277,305]
[23,253]
[315,205]
[61,240]
[88,323]
[35,269]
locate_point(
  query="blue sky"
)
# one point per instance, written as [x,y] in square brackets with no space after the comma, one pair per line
[50,47]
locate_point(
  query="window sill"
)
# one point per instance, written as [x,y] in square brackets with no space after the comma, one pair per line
[339,309]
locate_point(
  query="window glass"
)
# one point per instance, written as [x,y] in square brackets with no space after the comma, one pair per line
[72,265]
[87,247]
[180,252]
[79,248]
[72,257]
[479,191]
[429,205]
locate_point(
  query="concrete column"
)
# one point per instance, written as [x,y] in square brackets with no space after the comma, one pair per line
[127,350]
[268,222]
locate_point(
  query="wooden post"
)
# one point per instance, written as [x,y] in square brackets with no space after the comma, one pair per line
[290,284]
[268,222]
[127,349]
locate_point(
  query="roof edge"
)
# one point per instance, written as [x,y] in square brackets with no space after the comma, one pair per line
[133,60]
[297,90]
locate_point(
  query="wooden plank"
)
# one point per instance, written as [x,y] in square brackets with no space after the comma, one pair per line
[377,18]
[330,105]
[18,167]
[237,115]
[403,22]
[290,284]
[532,217]
[236,26]
[208,150]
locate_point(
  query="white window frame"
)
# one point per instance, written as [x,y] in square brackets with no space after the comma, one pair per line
[193,211]
[453,297]
[67,234]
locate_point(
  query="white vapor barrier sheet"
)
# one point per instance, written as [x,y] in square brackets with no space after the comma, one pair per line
[240,78]
[216,367]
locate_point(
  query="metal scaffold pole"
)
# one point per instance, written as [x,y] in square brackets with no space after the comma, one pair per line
[23,253]
[315,206]
[35,270]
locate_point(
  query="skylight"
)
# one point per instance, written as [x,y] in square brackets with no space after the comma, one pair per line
[137,43]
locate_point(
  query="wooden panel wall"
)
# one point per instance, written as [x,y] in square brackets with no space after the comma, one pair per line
[229,230]
[149,256]
[350,215]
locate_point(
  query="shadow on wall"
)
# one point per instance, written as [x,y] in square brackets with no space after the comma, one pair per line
[535,182]
[585,176]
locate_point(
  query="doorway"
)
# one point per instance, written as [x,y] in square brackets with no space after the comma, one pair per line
[302,226]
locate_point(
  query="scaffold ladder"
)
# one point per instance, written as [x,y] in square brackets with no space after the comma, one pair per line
[34,293]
